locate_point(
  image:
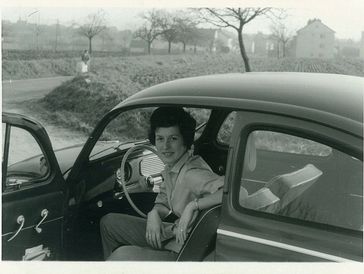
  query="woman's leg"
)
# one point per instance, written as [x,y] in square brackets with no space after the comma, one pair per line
[120,230]
[137,253]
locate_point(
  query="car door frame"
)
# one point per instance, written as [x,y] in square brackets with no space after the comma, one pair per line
[46,195]
[248,235]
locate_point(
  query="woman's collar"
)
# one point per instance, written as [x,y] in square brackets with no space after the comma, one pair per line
[178,165]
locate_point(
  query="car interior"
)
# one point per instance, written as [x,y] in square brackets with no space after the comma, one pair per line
[101,193]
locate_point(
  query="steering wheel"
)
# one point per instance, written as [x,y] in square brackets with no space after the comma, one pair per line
[122,177]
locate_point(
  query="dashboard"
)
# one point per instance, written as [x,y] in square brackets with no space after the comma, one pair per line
[141,171]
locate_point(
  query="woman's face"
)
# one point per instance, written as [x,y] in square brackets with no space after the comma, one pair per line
[170,145]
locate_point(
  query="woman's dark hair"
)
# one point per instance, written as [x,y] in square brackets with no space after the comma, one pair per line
[173,116]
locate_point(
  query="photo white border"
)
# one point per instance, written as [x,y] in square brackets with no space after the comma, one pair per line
[200,268]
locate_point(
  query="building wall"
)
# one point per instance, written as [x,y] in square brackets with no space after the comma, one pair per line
[315,41]
[260,45]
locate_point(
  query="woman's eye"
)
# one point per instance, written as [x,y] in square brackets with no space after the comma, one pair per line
[159,139]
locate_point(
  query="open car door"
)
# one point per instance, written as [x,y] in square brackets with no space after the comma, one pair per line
[33,192]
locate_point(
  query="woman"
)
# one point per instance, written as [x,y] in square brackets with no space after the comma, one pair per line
[189,186]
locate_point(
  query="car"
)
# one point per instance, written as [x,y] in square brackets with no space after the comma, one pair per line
[299,200]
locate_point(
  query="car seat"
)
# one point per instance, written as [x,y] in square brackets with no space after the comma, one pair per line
[281,190]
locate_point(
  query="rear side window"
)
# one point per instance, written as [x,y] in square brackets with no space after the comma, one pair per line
[268,140]
[226,129]
[299,178]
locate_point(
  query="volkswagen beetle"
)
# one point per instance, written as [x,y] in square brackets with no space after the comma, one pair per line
[301,201]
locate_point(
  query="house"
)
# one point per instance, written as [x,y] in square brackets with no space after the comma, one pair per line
[347,48]
[315,40]
[259,45]
[291,47]
[263,46]
[138,46]
[224,41]
[204,40]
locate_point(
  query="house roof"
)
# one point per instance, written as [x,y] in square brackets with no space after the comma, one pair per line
[311,21]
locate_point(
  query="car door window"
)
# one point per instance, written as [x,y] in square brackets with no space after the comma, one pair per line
[26,163]
[302,179]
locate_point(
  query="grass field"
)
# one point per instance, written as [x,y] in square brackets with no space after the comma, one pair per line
[80,105]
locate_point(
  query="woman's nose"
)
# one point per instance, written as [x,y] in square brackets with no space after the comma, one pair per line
[166,143]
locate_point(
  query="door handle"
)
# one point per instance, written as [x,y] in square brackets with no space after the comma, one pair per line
[20,220]
[44,215]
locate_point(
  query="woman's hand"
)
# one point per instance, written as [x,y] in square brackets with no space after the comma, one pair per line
[187,217]
[154,229]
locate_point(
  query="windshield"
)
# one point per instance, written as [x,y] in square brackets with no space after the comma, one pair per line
[132,126]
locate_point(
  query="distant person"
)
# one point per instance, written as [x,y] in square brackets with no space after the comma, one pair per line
[85,57]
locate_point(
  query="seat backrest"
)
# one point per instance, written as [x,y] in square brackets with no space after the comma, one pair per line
[201,240]
[281,190]
[262,200]
[289,186]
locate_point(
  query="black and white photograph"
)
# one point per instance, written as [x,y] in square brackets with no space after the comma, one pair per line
[199,137]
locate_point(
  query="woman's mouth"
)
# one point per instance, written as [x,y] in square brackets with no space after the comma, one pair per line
[167,154]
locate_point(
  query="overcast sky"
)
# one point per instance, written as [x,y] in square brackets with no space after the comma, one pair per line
[344,17]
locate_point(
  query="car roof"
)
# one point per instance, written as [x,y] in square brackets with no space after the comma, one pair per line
[333,99]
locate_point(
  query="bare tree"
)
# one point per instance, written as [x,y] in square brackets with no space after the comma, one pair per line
[95,23]
[168,23]
[281,35]
[187,29]
[235,18]
[151,28]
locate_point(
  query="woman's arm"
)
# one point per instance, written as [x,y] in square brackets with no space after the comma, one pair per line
[191,209]
[208,200]
[155,229]
[162,210]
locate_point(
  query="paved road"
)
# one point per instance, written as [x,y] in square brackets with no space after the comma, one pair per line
[18,91]
[21,90]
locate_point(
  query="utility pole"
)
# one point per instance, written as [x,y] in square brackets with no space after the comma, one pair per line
[35,28]
[38,31]
[57,33]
